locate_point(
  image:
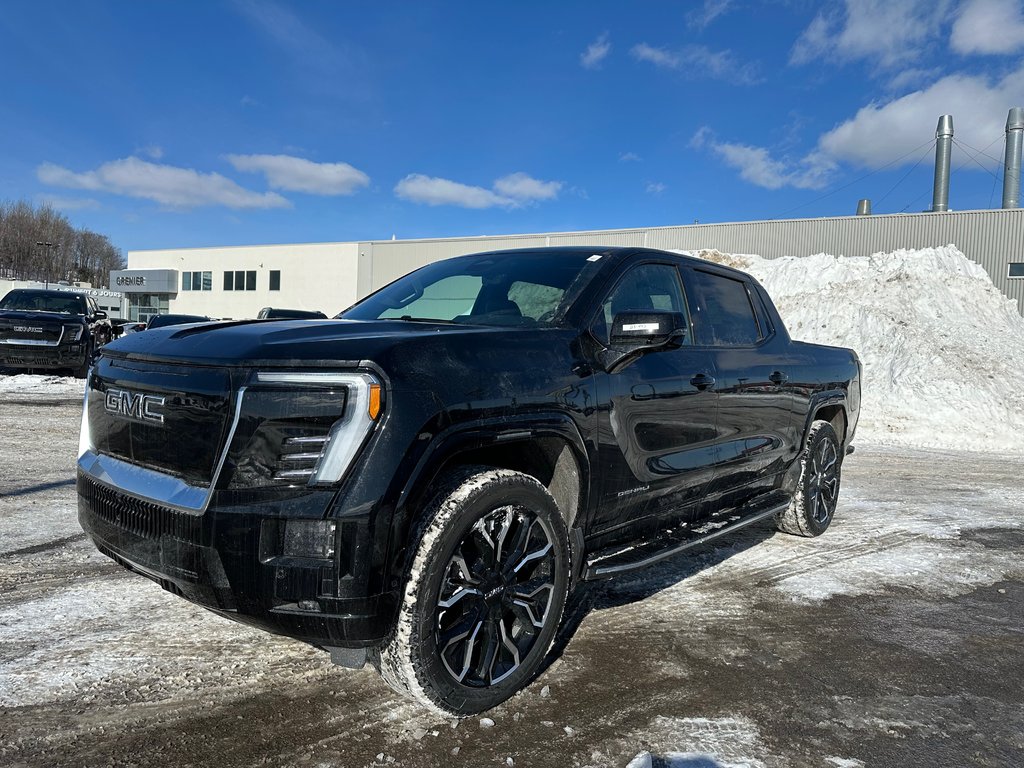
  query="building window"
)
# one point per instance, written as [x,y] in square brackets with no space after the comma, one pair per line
[196,281]
[275,279]
[1015,270]
[229,281]
[250,280]
[239,280]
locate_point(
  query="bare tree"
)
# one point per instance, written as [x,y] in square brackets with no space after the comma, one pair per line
[41,244]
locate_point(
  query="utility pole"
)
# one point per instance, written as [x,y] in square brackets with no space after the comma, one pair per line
[49,251]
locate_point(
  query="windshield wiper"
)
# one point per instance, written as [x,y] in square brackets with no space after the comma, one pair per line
[411,319]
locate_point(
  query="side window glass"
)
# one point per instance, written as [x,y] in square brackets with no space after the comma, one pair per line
[724,316]
[646,287]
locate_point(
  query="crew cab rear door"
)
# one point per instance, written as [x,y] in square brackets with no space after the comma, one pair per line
[752,365]
[657,415]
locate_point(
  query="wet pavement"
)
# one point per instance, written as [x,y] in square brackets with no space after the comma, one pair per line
[894,639]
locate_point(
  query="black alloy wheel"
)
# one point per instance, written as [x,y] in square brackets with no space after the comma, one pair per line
[495,597]
[817,491]
[823,483]
[486,587]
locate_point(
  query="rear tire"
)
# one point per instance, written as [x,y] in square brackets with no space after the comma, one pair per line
[485,593]
[817,492]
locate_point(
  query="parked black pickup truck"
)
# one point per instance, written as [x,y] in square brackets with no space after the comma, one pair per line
[422,481]
[51,329]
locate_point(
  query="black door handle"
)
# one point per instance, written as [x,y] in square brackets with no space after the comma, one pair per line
[702,381]
[778,377]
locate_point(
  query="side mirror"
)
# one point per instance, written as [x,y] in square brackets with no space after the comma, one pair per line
[633,333]
[100,315]
[647,329]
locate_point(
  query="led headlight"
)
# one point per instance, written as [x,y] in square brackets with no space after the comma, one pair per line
[298,428]
[74,332]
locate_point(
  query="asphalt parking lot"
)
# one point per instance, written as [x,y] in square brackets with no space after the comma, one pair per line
[893,640]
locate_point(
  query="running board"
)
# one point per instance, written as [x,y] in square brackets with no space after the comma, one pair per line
[644,555]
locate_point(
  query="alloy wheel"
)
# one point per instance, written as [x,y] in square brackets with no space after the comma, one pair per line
[495,596]
[824,481]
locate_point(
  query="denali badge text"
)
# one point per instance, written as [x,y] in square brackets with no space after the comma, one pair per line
[133,405]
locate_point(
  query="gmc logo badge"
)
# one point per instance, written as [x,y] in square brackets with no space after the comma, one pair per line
[133,405]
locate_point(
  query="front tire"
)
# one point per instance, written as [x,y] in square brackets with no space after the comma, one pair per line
[485,593]
[82,371]
[817,492]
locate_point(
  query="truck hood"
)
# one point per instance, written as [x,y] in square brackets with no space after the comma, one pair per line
[20,315]
[458,360]
[283,342]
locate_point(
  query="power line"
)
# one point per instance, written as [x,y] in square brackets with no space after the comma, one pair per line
[928,143]
[992,194]
[983,151]
[904,178]
[974,158]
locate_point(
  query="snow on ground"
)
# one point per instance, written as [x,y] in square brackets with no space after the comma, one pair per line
[34,384]
[724,742]
[942,347]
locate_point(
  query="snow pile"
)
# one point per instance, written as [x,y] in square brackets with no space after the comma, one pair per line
[942,347]
[30,384]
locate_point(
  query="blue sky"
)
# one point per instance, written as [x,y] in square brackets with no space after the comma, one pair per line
[174,124]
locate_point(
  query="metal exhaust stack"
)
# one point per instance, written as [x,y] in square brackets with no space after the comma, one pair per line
[943,151]
[864,207]
[1011,170]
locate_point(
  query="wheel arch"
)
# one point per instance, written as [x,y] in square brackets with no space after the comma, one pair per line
[547,447]
[832,407]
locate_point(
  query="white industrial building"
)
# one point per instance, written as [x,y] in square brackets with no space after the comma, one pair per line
[236,282]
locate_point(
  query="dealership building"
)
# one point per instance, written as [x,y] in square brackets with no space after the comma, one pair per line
[236,282]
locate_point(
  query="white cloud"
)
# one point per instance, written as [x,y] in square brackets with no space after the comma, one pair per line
[886,32]
[520,186]
[165,184]
[757,166]
[629,157]
[431,190]
[248,101]
[69,203]
[290,32]
[596,52]
[153,151]
[702,17]
[512,191]
[912,77]
[659,57]
[880,133]
[297,174]
[655,187]
[989,27]
[892,134]
[700,61]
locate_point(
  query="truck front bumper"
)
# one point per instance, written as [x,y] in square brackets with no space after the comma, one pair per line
[229,561]
[17,356]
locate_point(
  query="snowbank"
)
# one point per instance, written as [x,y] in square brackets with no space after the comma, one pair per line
[28,384]
[942,347]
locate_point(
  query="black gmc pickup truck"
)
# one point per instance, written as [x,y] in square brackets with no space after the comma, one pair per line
[421,481]
[51,329]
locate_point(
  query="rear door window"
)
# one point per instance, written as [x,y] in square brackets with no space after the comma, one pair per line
[724,316]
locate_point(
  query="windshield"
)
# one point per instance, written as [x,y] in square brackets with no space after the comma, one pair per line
[27,301]
[509,289]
